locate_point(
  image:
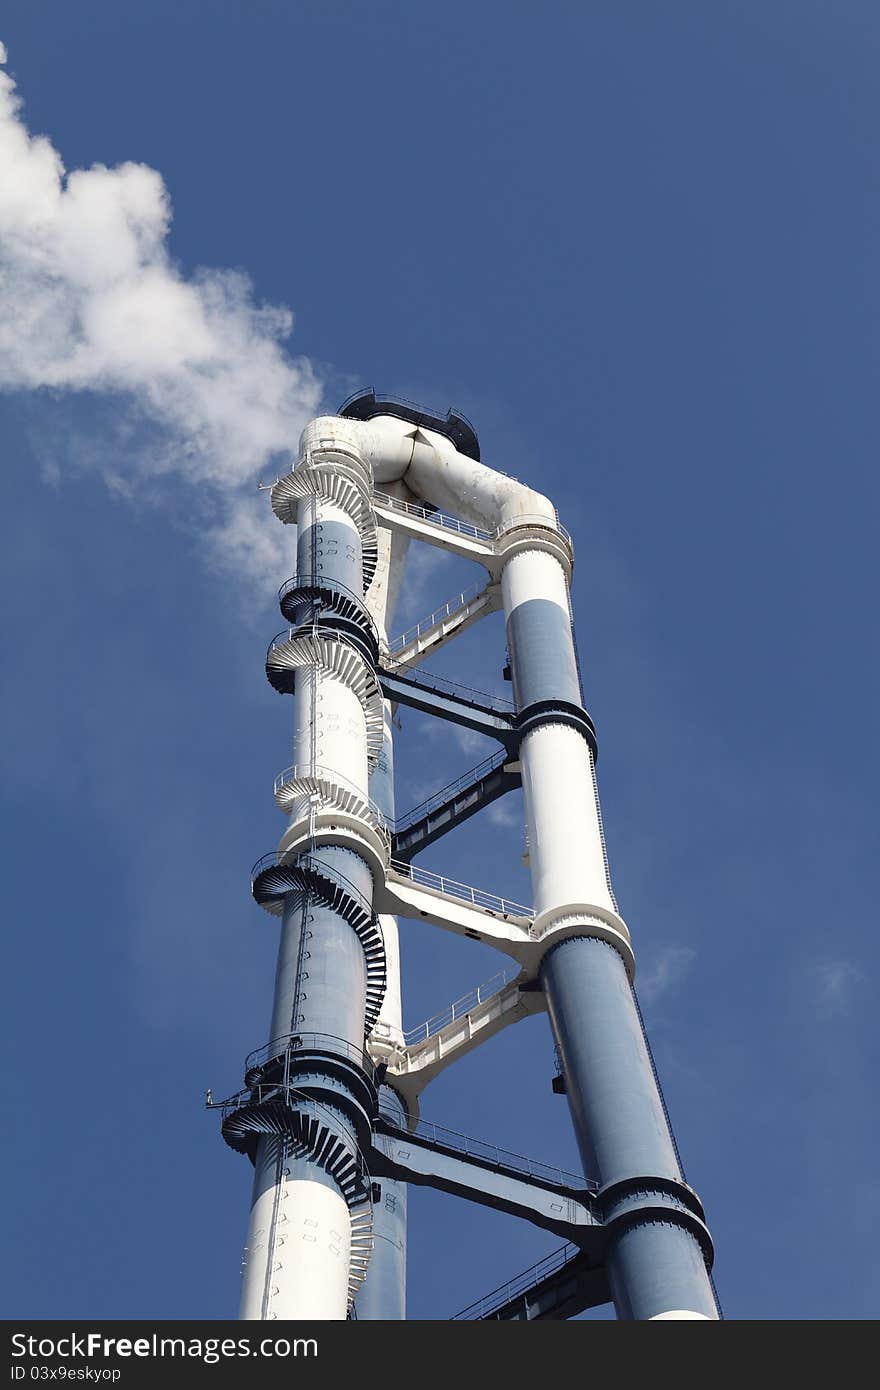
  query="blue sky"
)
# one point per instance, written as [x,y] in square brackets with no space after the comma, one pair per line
[636,244]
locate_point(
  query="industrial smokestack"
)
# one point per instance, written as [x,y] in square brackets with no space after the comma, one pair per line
[330,1110]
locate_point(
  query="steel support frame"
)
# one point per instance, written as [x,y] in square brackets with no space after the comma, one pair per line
[642,1235]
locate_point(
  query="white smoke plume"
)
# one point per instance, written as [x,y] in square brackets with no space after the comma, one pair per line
[90,300]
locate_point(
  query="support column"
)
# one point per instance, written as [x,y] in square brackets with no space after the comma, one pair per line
[658,1245]
[297,1254]
[312,1092]
[383,1296]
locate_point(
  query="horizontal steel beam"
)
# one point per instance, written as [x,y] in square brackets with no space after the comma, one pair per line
[462,804]
[411,1068]
[456,708]
[421,528]
[567,1213]
[565,1292]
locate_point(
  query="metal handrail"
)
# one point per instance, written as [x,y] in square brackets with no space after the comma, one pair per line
[320,581]
[302,771]
[286,1091]
[459,1008]
[309,861]
[455,688]
[444,794]
[434,517]
[431,515]
[490,1154]
[444,611]
[520,1284]
[249,1095]
[487,902]
[311,629]
[410,405]
[291,1043]
[532,519]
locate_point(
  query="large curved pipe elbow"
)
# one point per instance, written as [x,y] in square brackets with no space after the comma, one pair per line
[431,467]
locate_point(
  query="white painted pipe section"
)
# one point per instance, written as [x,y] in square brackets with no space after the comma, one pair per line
[391,1013]
[319,511]
[566,852]
[312,1253]
[534,574]
[565,848]
[299,1242]
[679,1315]
[329,734]
[329,726]
[298,1246]
[433,469]
[257,1250]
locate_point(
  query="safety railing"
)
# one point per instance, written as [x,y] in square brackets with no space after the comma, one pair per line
[490,1155]
[341,449]
[322,581]
[486,902]
[315,865]
[445,794]
[287,1093]
[446,610]
[459,1008]
[250,1095]
[531,520]
[516,1287]
[443,686]
[285,1048]
[425,416]
[530,1279]
[433,517]
[301,772]
[314,628]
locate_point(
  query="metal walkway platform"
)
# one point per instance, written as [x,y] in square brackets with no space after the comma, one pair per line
[560,1286]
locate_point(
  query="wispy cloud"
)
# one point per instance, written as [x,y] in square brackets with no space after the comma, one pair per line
[504,814]
[93,302]
[667,972]
[475,745]
[836,984]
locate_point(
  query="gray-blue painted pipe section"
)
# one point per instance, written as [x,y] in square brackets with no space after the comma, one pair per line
[620,1123]
[321,978]
[617,1112]
[383,1295]
[542,658]
[321,975]
[330,993]
[656,1267]
[382,779]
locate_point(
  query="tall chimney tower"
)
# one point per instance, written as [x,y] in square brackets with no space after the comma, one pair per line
[330,1113]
